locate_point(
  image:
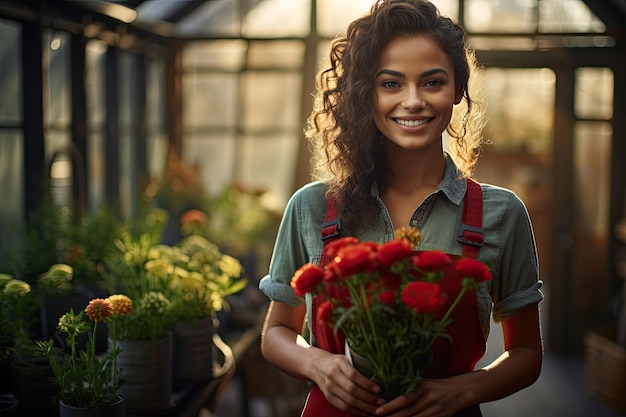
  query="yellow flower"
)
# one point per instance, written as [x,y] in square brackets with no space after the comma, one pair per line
[99,310]
[154,303]
[122,305]
[230,266]
[411,234]
[16,288]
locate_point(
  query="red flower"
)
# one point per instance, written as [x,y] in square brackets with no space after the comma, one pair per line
[472,268]
[394,251]
[306,278]
[324,313]
[355,258]
[99,310]
[388,298]
[389,281]
[423,297]
[331,249]
[431,261]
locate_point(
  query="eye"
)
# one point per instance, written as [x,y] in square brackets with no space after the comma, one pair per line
[390,84]
[433,83]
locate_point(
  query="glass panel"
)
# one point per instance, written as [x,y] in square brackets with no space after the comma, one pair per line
[272,54]
[56,140]
[94,80]
[269,163]
[271,100]
[508,16]
[213,18]
[97,170]
[591,183]
[567,16]
[129,118]
[504,43]
[594,93]
[277,18]
[227,55]
[333,17]
[95,96]
[520,108]
[209,99]
[10,73]
[592,149]
[157,142]
[11,184]
[56,59]
[216,157]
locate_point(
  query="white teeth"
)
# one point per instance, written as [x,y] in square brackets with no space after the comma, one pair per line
[411,123]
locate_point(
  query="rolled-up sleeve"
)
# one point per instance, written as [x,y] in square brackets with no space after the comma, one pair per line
[297,243]
[517,284]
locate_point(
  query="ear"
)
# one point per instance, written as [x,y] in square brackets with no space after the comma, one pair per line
[458,96]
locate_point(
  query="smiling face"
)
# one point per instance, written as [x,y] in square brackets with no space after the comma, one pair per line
[414,93]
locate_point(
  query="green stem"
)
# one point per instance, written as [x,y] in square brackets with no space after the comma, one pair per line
[444,319]
[92,357]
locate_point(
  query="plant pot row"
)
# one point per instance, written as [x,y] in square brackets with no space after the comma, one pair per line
[148,369]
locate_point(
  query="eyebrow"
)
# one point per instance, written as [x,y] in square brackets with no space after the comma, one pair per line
[402,75]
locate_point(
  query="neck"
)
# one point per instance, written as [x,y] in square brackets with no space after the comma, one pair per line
[410,171]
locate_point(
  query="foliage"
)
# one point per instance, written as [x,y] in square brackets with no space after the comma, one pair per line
[240,220]
[86,380]
[17,309]
[388,302]
[200,277]
[128,272]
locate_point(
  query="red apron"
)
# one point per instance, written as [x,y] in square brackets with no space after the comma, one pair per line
[450,358]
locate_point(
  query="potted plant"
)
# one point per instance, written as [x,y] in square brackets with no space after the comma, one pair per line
[199,278]
[89,384]
[29,374]
[145,334]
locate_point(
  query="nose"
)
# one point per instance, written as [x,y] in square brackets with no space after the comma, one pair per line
[412,99]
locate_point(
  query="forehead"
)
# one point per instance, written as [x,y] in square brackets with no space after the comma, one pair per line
[417,51]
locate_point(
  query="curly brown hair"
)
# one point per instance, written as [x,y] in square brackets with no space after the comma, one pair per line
[341,126]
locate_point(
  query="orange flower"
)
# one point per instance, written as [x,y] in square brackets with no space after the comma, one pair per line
[122,305]
[193,215]
[99,310]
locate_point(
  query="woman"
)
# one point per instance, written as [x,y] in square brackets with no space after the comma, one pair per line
[381,109]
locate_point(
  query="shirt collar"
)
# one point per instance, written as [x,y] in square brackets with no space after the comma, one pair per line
[452,186]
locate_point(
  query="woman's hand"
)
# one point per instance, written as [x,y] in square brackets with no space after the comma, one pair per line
[432,398]
[344,387]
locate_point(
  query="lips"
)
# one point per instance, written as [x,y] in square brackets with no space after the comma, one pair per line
[412,123]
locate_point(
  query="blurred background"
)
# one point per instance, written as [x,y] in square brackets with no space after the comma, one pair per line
[183,104]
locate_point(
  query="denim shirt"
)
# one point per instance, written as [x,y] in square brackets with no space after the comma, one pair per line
[508,248]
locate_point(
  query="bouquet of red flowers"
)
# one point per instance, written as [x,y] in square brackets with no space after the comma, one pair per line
[386,299]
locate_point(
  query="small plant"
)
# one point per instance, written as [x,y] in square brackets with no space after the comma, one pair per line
[85,379]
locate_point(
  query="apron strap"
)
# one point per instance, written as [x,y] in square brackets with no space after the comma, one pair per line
[471,234]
